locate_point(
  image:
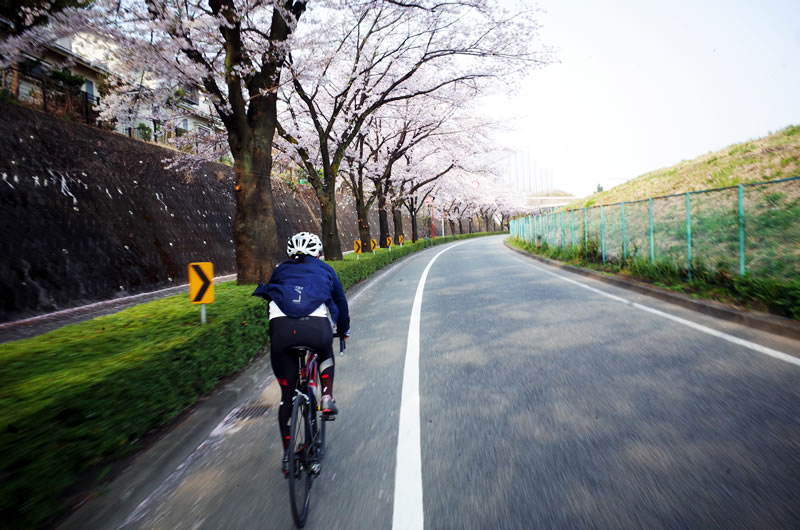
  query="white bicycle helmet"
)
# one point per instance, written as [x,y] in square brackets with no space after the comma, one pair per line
[304,243]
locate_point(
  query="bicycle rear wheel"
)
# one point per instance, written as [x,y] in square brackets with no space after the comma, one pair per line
[300,477]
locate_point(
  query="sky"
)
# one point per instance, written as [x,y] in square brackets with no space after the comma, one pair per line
[642,85]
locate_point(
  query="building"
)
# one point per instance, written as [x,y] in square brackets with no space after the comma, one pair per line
[69,77]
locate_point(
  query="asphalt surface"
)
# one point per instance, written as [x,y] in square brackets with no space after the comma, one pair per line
[541,404]
[31,327]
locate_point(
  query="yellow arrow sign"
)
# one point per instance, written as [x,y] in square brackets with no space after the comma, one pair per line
[373,244]
[357,246]
[389,241]
[399,240]
[201,282]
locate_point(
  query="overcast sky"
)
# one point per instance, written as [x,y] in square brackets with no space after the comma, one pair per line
[644,84]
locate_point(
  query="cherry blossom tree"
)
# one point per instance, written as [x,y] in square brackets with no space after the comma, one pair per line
[351,58]
[232,50]
[366,55]
[384,141]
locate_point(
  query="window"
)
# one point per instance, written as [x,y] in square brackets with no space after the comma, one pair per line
[185,124]
[88,87]
[191,95]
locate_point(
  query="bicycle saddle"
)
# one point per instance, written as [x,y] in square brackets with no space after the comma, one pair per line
[299,350]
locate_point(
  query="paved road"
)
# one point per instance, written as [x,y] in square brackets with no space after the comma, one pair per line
[541,403]
[31,327]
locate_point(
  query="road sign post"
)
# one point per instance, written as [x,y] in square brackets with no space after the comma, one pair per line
[201,285]
[357,247]
[373,244]
[389,242]
[400,240]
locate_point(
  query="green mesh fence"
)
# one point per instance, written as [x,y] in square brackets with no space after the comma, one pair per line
[715,230]
[772,229]
[752,228]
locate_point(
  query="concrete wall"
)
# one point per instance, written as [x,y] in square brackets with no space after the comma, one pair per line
[88,215]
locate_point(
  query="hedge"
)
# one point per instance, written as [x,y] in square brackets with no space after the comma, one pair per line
[82,396]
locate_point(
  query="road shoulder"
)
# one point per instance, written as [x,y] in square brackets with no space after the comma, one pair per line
[763,321]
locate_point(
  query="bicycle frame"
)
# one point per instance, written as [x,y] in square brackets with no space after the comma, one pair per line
[307,382]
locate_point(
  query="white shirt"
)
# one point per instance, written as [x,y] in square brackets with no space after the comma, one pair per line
[275,311]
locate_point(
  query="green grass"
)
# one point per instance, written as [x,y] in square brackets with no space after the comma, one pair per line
[85,395]
[772,157]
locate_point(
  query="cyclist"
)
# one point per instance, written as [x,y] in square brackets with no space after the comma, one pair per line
[304,293]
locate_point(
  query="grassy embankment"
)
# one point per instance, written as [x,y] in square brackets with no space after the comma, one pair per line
[77,399]
[773,157]
[772,227]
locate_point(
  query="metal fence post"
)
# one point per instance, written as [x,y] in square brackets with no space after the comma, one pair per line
[572,214]
[603,233]
[624,242]
[652,248]
[688,236]
[585,231]
[547,228]
[741,229]
[562,230]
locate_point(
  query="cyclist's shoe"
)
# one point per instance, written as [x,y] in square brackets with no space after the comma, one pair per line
[285,463]
[329,410]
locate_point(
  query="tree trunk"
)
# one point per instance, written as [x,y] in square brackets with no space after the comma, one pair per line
[452,227]
[412,212]
[363,224]
[15,81]
[470,225]
[460,226]
[486,221]
[397,218]
[330,231]
[383,218]
[255,234]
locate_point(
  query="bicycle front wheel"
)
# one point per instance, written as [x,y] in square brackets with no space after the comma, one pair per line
[300,477]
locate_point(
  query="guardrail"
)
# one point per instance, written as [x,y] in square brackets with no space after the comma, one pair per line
[750,228]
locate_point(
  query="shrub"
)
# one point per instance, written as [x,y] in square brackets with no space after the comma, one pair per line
[145,132]
[87,393]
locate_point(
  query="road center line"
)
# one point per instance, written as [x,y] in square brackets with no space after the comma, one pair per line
[699,327]
[407,513]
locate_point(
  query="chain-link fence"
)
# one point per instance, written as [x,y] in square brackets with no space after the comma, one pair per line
[749,228]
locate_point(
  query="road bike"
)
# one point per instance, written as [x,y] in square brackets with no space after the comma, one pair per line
[306,431]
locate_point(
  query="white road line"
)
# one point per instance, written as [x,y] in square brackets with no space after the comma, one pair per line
[719,334]
[408,470]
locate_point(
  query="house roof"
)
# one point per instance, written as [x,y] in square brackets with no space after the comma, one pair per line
[99,68]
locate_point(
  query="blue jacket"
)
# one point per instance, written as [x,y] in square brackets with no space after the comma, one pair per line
[299,286]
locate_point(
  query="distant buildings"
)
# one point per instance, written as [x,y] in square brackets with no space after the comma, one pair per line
[69,79]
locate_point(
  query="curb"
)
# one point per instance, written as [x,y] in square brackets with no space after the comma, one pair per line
[763,321]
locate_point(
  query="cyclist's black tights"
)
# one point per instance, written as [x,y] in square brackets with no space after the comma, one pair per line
[284,332]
